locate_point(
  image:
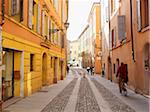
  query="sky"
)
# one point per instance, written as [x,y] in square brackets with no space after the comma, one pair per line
[78,15]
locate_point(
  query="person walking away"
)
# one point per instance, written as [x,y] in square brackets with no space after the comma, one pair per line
[121,73]
[88,69]
[67,69]
[91,69]
[103,72]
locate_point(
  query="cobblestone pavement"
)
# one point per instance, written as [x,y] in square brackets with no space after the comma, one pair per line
[59,103]
[114,102]
[86,101]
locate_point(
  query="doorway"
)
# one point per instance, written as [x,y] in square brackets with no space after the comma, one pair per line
[44,69]
[62,71]
[11,74]
[146,61]
[55,69]
[109,69]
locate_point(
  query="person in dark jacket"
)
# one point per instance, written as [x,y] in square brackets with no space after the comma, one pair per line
[122,74]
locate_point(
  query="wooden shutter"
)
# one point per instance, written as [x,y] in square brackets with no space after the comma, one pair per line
[138,5]
[39,19]
[30,11]
[59,33]
[110,39]
[121,27]
[43,28]
[48,27]
[21,10]
[15,6]
[54,34]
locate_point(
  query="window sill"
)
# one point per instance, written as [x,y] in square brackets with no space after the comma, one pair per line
[145,29]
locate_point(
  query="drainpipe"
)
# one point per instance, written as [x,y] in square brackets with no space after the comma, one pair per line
[110,66]
[1,24]
[132,39]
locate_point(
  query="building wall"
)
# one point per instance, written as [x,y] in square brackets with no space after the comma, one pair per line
[98,45]
[105,35]
[74,51]
[22,39]
[123,51]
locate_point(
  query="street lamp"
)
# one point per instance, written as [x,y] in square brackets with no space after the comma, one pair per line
[66,25]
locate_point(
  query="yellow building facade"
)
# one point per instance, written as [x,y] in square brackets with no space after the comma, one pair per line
[34,47]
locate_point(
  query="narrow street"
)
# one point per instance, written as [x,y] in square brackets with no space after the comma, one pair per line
[79,94]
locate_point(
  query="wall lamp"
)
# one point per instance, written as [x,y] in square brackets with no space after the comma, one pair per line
[66,24]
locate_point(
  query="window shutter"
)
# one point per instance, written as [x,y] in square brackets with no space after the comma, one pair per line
[110,39]
[18,7]
[48,27]
[21,10]
[39,19]
[30,11]
[43,28]
[138,5]
[54,34]
[13,7]
[59,34]
[121,27]
[114,37]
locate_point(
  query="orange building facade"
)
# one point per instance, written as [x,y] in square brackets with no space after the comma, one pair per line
[129,41]
[90,40]
[34,45]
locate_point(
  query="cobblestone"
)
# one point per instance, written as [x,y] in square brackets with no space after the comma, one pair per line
[59,103]
[114,102]
[86,101]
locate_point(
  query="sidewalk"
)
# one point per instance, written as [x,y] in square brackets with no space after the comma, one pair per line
[37,101]
[136,101]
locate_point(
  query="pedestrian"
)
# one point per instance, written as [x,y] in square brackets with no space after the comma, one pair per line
[122,74]
[91,69]
[67,69]
[103,72]
[88,69]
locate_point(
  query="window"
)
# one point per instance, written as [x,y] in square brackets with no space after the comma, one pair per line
[62,42]
[14,7]
[142,14]
[34,15]
[30,13]
[51,62]
[145,13]
[21,10]
[113,37]
[112,6]
[50,27]
[31,62]
[121,27]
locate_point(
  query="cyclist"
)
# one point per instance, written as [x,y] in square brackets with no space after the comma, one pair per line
[122,73]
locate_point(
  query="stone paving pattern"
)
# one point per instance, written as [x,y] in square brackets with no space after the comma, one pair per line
[86,101]
[114,102]
[59,103]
